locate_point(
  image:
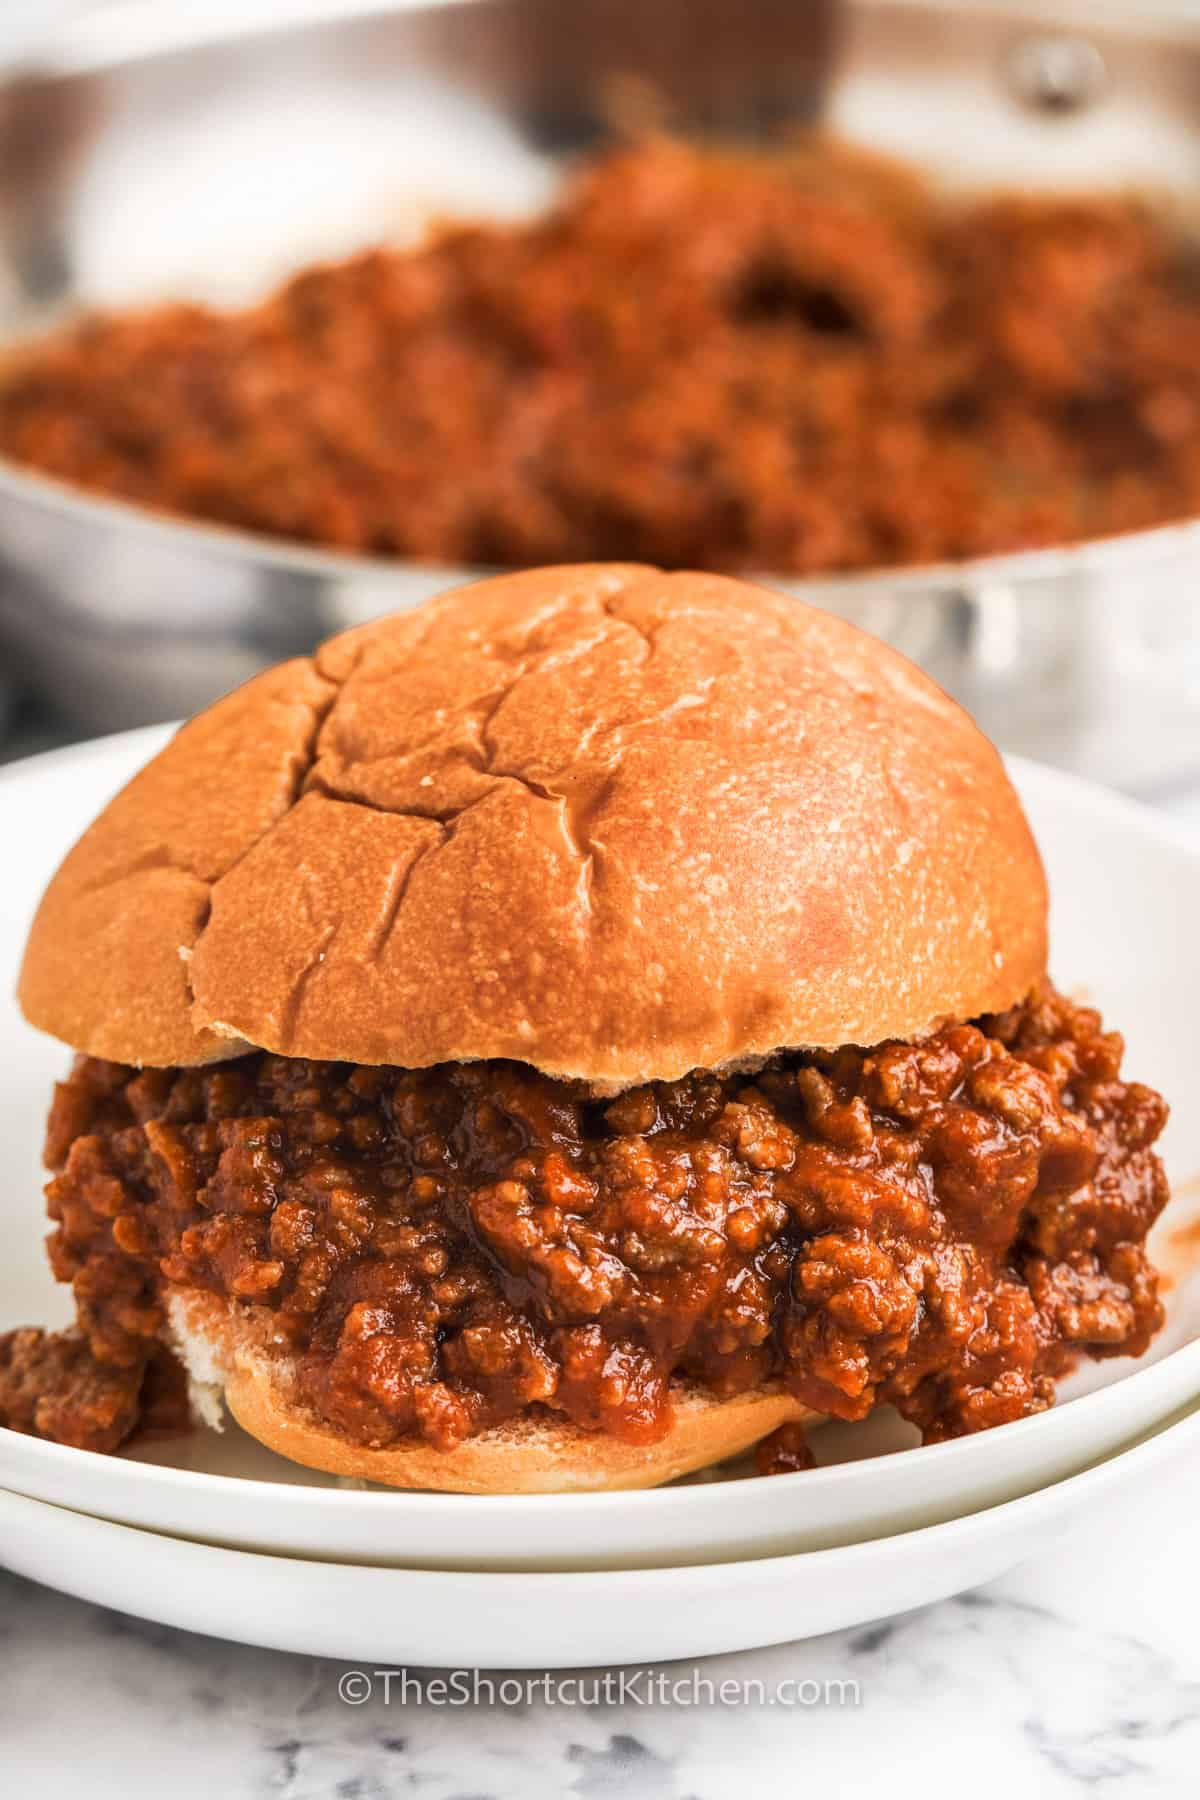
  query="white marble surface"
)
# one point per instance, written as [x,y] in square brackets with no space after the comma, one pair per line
[1078,1674]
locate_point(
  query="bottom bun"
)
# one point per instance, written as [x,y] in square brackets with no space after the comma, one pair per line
[540,1455]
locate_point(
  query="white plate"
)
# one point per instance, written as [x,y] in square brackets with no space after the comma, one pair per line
[424,1617]
[1126,893]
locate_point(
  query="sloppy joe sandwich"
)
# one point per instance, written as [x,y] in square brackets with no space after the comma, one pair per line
[564,1036]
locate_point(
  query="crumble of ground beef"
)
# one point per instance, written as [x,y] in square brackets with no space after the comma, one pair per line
[945,1226]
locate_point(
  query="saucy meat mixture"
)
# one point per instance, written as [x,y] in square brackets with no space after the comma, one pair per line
[803,361]
[945,1226]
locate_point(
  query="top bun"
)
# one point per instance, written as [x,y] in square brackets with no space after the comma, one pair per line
[614,823]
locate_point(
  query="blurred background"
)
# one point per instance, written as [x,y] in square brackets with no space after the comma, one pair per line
[971,424]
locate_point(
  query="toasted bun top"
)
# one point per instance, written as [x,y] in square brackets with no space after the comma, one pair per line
[614,823]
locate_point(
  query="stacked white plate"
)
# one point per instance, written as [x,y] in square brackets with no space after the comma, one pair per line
[216,1534]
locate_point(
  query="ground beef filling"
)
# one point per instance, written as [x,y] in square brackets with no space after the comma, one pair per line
[944,1226]
[801,362]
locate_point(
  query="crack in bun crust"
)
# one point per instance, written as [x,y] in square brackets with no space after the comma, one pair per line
[611,822]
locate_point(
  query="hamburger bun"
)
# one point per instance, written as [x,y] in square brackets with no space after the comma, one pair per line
[225,1355]
[610,822]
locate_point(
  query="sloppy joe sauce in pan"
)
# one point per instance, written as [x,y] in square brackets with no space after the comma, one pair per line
[800,362]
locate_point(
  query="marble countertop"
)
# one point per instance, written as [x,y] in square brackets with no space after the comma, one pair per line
[1077,1674]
